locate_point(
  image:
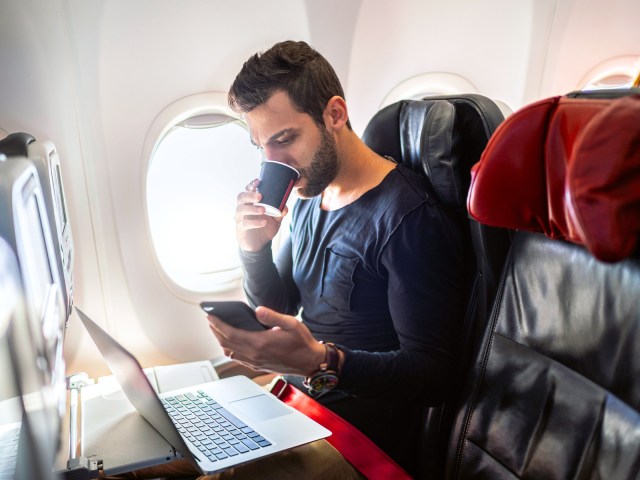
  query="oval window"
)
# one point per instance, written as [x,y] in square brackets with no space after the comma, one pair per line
[618,72]
[198,166]
[428,85]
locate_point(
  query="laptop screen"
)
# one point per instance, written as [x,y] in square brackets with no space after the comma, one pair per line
[135,384]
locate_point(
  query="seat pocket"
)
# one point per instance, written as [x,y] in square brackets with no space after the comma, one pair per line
[337,280]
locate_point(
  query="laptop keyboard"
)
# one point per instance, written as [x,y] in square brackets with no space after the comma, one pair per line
[215,431]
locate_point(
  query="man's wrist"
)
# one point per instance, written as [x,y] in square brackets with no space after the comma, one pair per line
[327,373]
[317,358]
[252,252]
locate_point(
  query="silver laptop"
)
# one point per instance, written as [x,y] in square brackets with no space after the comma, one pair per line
[216,425]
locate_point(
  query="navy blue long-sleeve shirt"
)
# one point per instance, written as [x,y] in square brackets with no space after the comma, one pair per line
[383,278]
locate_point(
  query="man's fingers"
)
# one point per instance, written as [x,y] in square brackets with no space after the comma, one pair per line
[248,198]
[226,334]
[252,185]
[231,337]
[271,318]
[250,216]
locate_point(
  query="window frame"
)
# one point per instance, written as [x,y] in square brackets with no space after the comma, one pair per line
[428,84]
[176,113]
[623,65]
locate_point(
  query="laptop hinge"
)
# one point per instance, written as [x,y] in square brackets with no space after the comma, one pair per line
[75,383]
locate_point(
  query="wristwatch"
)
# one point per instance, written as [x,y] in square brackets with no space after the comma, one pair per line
[326,378]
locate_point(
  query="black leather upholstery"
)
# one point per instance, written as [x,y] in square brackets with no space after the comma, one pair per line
[442,138]
[15,144]
[554,392]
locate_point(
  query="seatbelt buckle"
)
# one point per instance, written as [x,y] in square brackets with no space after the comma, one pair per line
[278,385]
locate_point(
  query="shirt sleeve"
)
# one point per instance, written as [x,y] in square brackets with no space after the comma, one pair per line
[427,292]
[270,283]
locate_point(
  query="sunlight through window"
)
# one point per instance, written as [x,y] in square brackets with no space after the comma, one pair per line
[194,177]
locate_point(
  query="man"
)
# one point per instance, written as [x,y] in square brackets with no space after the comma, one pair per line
[373,266]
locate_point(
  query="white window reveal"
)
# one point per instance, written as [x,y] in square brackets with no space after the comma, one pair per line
[433,84]
[618,72]
[428,85]
[203,158]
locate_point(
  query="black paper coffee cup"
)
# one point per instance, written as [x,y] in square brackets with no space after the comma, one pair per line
[276,182]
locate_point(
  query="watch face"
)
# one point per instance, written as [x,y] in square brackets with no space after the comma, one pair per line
[322,382]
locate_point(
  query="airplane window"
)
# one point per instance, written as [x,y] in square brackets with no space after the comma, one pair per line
[428,85]
[619,72]
[615,80]
[196,171]
[434,84]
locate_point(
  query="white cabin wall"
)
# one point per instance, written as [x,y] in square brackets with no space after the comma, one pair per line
[585,34]
[93,77]
[489,43]
[332,28]
[38,96]
[133,59]
[516,52]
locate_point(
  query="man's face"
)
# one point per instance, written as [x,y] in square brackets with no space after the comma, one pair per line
[291,137]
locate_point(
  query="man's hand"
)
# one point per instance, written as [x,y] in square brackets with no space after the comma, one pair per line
[287,347]
[254,229]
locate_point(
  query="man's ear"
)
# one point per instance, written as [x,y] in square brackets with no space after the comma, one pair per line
[335,113]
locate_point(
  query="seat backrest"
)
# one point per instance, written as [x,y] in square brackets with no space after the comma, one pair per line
[25,227]
[442,138]
[28,417]
[45,158]
[554,392]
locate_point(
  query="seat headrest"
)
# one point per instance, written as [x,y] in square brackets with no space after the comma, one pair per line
[440,137]
[566,167]
[16,144]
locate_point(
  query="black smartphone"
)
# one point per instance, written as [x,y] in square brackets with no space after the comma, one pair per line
[236,314]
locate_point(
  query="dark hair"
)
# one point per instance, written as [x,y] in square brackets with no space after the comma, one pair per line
[292,67]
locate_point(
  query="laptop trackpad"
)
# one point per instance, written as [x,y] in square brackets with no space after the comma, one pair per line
[261,407]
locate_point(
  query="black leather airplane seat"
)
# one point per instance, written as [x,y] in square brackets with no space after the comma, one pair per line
[554,392]
[442,138]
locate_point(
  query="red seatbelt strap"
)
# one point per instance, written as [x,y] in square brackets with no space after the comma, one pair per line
[354,446]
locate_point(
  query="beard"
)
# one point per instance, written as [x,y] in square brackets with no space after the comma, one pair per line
[323,169]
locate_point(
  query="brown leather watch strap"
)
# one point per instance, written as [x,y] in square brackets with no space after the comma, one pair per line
[332,358]
[327,377]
